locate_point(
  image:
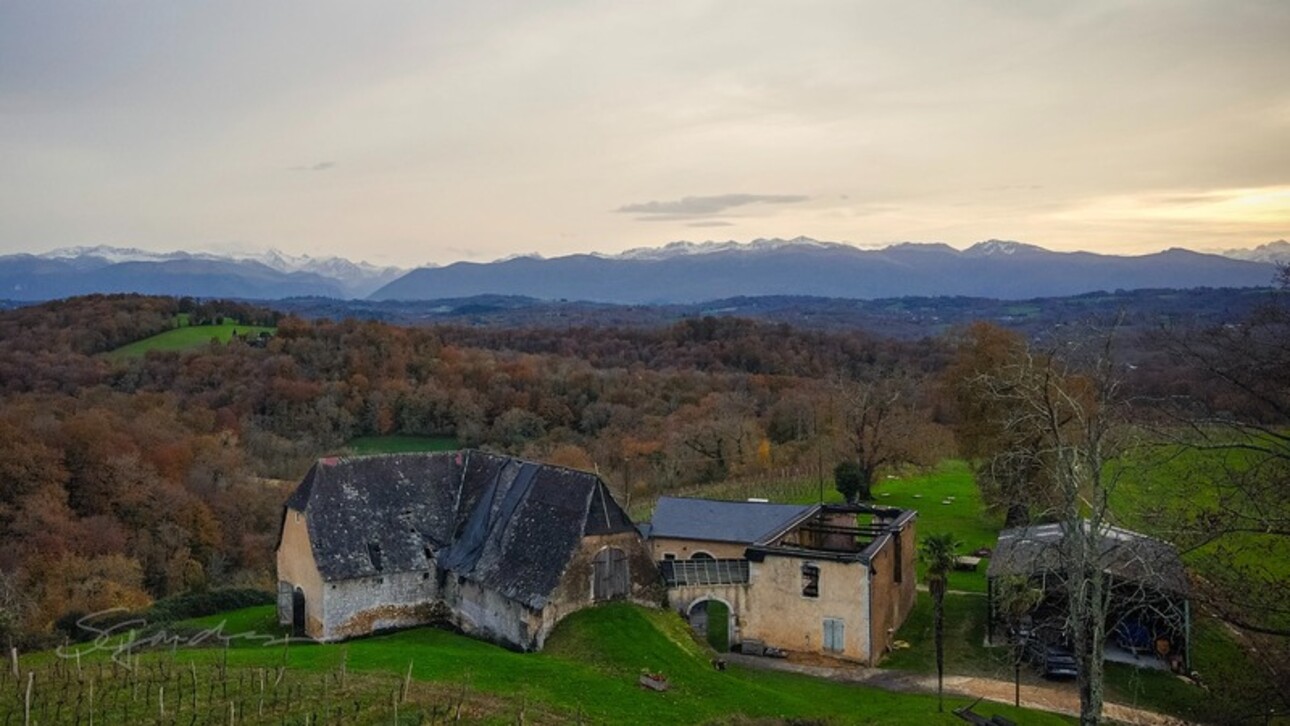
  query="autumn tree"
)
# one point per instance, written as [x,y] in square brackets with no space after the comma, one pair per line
[884,427]
[1006,461]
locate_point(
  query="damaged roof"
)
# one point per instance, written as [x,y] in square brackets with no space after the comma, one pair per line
[1124,554]
[505,523]
[722,521]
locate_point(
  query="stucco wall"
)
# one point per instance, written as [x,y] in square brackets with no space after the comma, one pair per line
[892,600]
[685,548]
[736,597]
[780,615]
[296,567]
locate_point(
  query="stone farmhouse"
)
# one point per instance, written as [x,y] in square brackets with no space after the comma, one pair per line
[503,549]
[832,579]
[497,547]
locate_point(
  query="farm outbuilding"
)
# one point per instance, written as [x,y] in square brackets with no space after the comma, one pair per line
[496,546]
[833,579]
[1149,611]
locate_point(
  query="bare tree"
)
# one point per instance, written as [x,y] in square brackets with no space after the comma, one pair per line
[884,427]
[1069,405]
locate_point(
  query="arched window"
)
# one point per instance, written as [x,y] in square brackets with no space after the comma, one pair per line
[701,555]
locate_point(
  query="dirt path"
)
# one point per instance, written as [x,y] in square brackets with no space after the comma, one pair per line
[1061,699]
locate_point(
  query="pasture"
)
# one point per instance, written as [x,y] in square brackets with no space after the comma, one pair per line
[187,337]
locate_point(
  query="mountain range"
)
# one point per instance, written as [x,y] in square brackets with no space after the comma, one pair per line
[104,269]
[679,272]
[686,272]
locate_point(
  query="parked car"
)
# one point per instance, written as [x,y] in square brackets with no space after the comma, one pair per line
[1050,659]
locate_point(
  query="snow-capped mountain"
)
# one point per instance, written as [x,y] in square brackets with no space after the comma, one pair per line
[683,248]
[1001,247]
[358,278]
[1275,252]
[688,272]
[354,279]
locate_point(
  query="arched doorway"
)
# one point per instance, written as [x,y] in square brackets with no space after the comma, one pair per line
[710,619]
[298,613]
[610,579]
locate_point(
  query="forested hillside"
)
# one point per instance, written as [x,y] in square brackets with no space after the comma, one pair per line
[126,479]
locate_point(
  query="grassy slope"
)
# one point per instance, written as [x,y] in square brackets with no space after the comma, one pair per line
[399,443]
[187,337]
[1174,485]
[591,664]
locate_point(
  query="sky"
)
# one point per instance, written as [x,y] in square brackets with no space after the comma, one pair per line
[414,132]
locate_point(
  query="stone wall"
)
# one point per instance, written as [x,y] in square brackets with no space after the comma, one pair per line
[369,604]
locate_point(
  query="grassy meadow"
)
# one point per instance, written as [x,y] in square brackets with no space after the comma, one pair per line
[400,444]
[587,673]
[187,337]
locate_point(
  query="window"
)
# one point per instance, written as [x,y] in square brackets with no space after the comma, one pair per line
[899,557]
[834,635]
[374,554]
[701,555]
[810,580]
[669,556]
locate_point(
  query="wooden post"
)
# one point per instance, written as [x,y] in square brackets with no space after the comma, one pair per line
[407,682]
[26,708]
[13,663]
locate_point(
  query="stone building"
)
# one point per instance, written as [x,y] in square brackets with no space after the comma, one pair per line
[501,548]
[831,579]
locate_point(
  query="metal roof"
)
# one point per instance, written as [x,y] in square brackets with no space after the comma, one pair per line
[1124,554]
[722,521]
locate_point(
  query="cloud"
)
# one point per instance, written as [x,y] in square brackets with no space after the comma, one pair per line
[710,223]
[320,166]
[688,207]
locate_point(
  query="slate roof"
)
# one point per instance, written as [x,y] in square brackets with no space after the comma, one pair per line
[1124,554]
[505,523]
[722,521]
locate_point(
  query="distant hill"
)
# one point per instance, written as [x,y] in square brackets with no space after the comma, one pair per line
[904,317]
[103,269]
[689,273]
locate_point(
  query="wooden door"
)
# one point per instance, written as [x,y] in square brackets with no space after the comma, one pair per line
[610,579]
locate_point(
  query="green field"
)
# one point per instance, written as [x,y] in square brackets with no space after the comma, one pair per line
[400,444]
[965,515]
[588,672]
[187,337]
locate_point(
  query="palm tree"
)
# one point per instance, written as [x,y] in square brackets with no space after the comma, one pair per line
[939,552]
